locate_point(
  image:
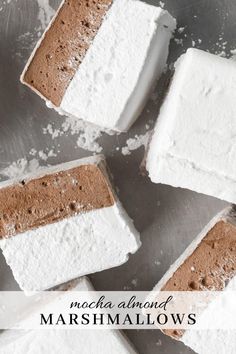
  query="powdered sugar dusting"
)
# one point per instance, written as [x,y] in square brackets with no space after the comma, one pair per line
[19,168]
[46,12]
[159,343]
[55,133]
[43,155]
[88,134]
[135,143]
[5,2]
[25,165]
[233,54]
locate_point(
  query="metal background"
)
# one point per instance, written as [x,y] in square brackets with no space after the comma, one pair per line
[167,218]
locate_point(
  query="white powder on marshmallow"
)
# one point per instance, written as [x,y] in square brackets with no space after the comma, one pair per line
[83,242]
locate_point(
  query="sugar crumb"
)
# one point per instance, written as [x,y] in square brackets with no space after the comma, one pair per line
[135,143]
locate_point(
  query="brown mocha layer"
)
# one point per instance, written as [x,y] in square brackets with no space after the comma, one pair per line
[48,199]
[64,47]
[209,267]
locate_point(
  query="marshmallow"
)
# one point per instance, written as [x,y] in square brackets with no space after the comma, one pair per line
[209,263]
[193,145]
[98,61]
[63,222]
[66,341]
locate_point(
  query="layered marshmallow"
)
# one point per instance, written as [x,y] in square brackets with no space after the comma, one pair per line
[66,341]
[193,145]
[209,263]
[63,222]
[98,60]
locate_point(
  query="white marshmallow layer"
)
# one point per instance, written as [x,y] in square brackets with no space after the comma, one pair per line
[193,145]
[66,341]
[220,341]
[127,55]
[56,253]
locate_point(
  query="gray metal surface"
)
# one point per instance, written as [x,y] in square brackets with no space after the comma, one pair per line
[167,218]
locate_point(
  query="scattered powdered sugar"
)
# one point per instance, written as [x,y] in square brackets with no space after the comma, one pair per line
[181,29]
[127,288]
[159,343]
[134,282]
[55,133]
[19,168]
[85,139]
[135,143]
[233,54]
[87,134]
[179,41]
[24,166]
[45,13]
[25,41]
[43,155]
[157,263]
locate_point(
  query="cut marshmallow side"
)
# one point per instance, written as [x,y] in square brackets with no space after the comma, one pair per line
[220,341]
[193,145]
[221,276]
[76,246]
[207,341]
[228,215]
[127,55]
[66,341]
[83,241]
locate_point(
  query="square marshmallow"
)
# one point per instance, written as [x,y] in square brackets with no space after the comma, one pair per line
[109,56]
[194,144]
[63,222]
[66,341]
